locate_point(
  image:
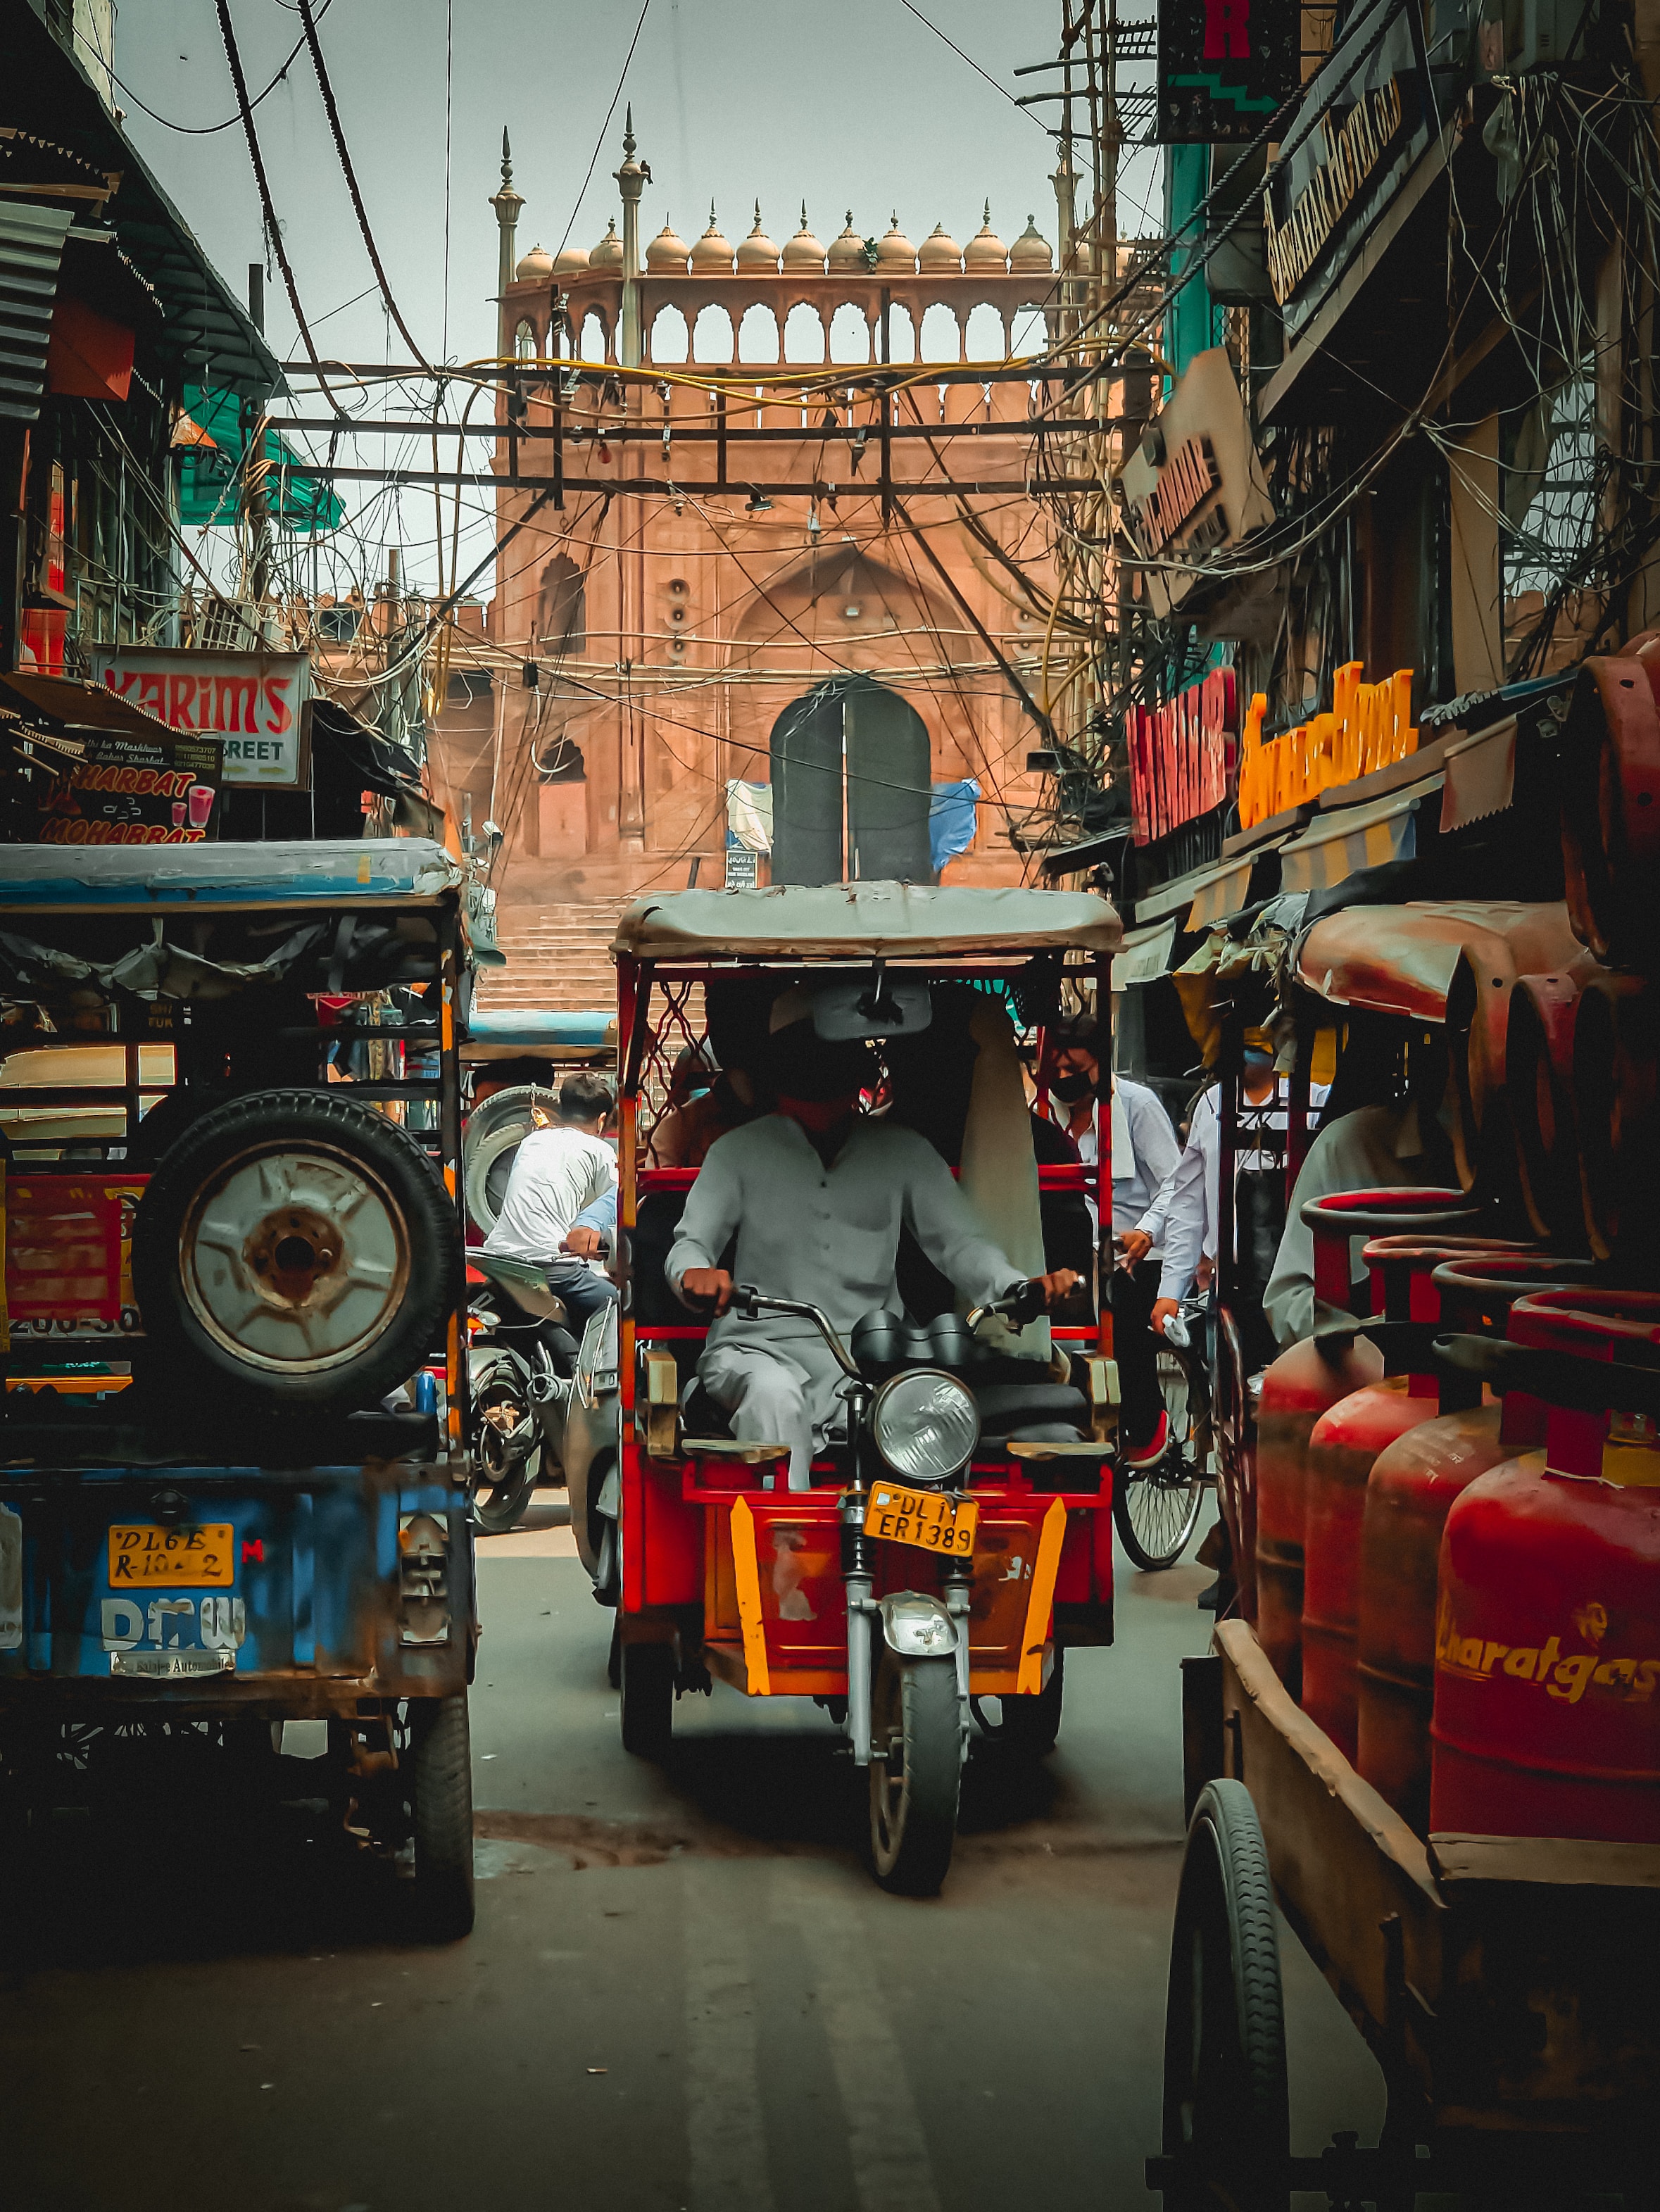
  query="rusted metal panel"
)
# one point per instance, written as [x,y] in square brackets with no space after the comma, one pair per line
[1400,959]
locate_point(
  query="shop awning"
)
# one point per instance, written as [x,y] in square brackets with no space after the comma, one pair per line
[80,706]
[1339,845]
[1481,776]
[1205,896]
[31,250]
[1400,959]
[1145,957]
[209,487]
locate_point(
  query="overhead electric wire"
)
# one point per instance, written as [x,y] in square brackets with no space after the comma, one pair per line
[188,130]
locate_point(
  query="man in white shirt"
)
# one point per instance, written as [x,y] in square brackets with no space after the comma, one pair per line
[1144,1153]
[816,1194]
[558,1172]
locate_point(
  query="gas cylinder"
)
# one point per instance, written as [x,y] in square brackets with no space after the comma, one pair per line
[1298,1387]
[1547,1625]
[1345,1441]
[1412,1484]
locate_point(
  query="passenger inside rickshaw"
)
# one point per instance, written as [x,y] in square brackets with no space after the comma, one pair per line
[809,1202]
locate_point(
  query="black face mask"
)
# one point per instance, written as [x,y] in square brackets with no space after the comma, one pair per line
[1069,1089]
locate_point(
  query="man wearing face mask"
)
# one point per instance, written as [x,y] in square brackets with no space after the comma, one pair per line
[816,1194]
[1144,1153]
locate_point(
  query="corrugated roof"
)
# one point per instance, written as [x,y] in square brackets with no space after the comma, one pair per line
[31,252]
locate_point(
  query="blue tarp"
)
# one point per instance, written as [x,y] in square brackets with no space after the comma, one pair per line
[528,1032]
[329,870]
[953,818]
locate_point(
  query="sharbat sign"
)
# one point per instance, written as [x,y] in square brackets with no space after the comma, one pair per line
[1225,67]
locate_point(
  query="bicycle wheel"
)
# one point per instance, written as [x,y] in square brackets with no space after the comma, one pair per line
[1155,1508]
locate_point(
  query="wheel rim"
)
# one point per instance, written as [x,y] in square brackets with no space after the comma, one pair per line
[296,1260]
[887,1789]
[506,1436]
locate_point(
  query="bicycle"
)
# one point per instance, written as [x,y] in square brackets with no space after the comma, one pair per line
[1156,1509]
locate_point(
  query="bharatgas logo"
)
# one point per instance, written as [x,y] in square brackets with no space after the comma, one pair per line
[1566,1677]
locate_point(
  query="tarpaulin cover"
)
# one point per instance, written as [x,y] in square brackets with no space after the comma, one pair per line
[954,819]
[519,1030]
[849,921]
[1399,959]
[329,872]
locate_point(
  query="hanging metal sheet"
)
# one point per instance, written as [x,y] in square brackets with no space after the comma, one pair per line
[1145,956]
[31,252]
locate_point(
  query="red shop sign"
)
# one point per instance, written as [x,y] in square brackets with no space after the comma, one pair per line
[1184,755]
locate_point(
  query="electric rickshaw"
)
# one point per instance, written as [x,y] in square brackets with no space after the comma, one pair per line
[959,1537]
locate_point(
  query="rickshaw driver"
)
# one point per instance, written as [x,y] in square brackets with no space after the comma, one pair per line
[817,1194]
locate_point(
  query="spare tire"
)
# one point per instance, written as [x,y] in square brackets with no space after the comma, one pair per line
[297,1248]
[493,1133]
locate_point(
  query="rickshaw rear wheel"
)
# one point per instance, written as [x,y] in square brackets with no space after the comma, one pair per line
[648,1681]
[1227,2122]
[440,1803]
[916,1773]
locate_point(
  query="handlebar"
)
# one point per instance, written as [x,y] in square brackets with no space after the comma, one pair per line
[1020,1305]
[751,1304]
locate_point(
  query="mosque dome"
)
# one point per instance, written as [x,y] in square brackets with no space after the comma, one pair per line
[893,249]
[608,254]
[539,262]
[571,261]
[985,250]
[804,252]
[757,250]
[1031,251]
[712,252]
[847,251]
[939,251]
[667,251]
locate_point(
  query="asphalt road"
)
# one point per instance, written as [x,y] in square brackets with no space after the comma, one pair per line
[684,1993]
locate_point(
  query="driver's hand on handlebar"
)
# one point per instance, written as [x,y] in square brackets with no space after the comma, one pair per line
[1056,1286]
[708,1288]
[585,1242]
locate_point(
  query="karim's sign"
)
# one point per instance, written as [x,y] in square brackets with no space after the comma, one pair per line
[256,704]
[1225,68]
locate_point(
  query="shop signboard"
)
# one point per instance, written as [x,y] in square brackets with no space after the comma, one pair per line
[1225,67]
[258,705]
[1182,755]
[102,787]
[1363,123]
[1195,485]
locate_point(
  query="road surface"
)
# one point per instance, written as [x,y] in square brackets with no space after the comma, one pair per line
[684,1993]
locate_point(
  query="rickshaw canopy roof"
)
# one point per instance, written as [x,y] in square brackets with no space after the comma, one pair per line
[852,921]
[326,872]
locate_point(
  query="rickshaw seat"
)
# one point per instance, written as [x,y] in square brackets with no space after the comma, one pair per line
[1007,1407]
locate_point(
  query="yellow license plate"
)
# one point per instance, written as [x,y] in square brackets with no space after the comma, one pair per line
[143,1556]
[925,1517]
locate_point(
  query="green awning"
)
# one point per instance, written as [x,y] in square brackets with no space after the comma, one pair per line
[209,491]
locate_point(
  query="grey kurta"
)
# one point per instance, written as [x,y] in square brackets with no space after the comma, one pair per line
[828,1236]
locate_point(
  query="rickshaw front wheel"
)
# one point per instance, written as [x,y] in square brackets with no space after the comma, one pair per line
[647,1679]
[440,1801]
[915,1772]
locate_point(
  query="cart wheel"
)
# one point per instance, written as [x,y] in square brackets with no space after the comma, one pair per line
[1029,1727]
[441,1793]
[1226,2122]
[647,1686]
[916,1773]
[1155,1508]
[614,1656]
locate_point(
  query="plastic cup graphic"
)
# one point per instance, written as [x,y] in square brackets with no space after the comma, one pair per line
[179,810]
[201,805]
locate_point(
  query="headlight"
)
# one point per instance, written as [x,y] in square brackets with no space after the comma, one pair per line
[926,1424]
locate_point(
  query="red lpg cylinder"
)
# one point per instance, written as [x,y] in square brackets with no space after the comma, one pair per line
[1345,1441]
[1302,1382]
[1412,1484]
[1548,1626]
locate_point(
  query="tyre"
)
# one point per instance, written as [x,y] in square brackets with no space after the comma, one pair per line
[1155,1508]
[1030,1727]
[916,1773]
[1227,2125]
[647,1672]
[440,1804]
[495,1132]
[614,1654]
[507,1456]
[296,1249]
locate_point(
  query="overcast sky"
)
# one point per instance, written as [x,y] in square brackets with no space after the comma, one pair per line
[861,105]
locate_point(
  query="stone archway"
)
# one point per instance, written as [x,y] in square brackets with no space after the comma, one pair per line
[851,783]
